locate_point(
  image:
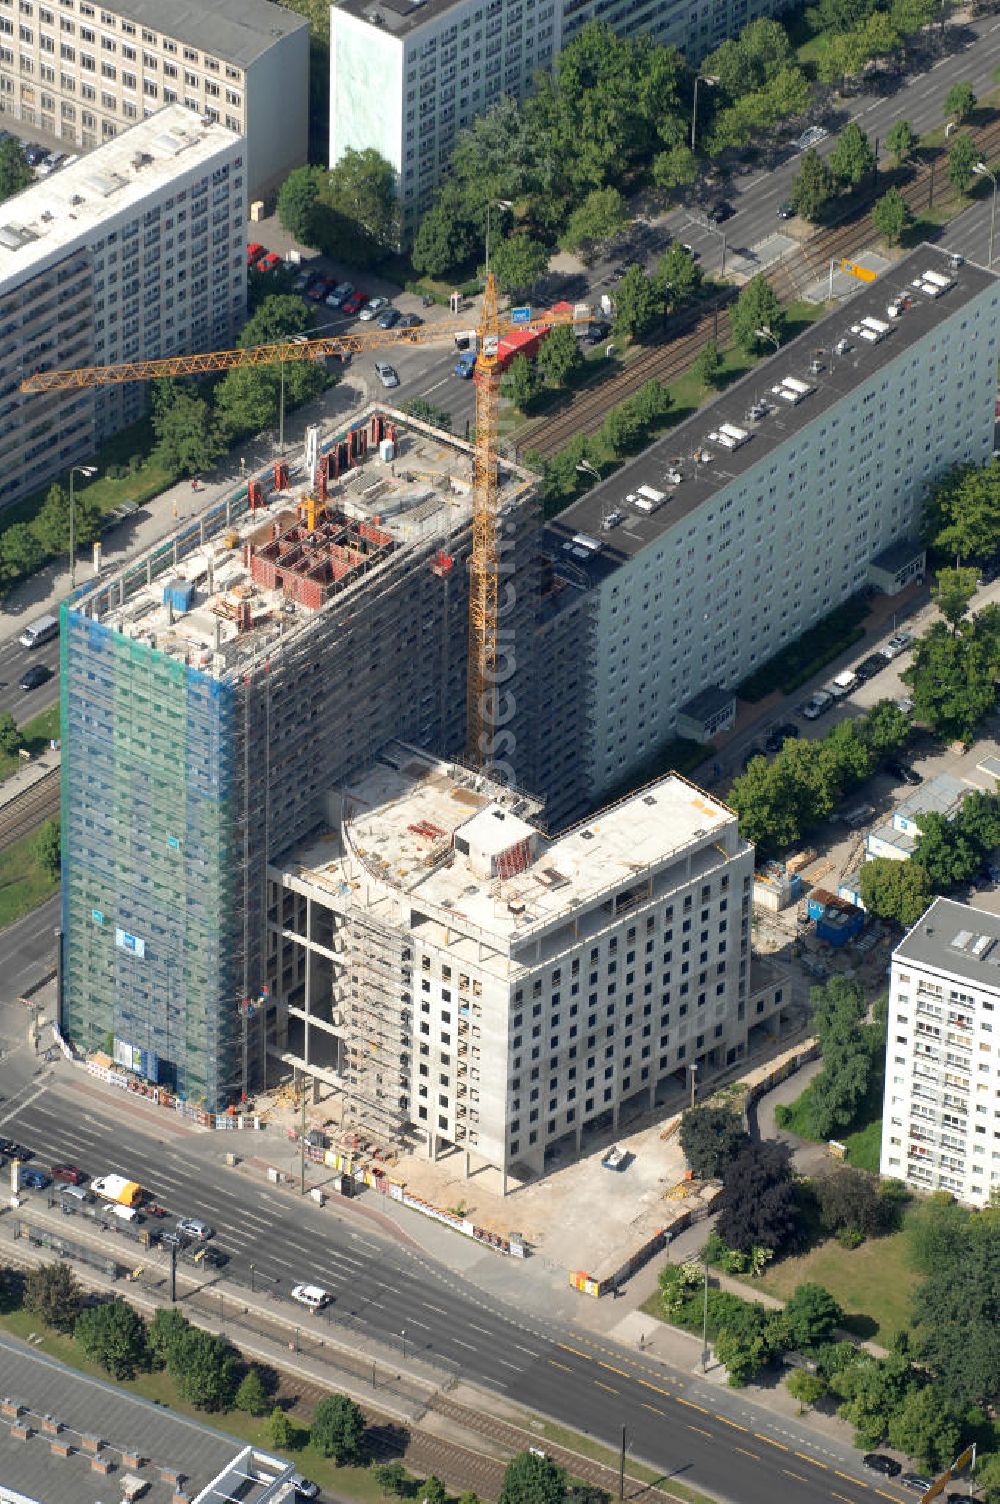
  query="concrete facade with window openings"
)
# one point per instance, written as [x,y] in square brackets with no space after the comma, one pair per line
[755,517]
[941,1114]
[503,992]
[85,71]
[134,252]
[407,75]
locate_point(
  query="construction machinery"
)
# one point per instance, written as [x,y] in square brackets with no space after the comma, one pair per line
[483,690]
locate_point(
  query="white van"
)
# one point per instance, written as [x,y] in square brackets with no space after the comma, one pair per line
[126,1213]
[37,632]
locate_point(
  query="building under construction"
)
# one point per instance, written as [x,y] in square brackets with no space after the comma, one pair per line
[216,688]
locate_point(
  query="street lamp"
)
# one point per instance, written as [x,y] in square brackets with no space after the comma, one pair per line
[402,1338]
[701,78]
[765,333]
[88,471]
[501,203]
[984,172]
[704,1325]
[693,1068]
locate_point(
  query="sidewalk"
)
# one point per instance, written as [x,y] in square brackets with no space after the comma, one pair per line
[28,775]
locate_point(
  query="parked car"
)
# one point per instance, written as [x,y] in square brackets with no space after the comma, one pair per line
[320,289]
[70,1174]
[172,1238]
[915,1482]
[841,684]
[811,137]
[338,294]
[355,302]
[389,319]
[596,332]
[465,364]
[304,280]
[904,773]
[35,677]
[305,1488]
[49,163]
[898,643]
[786,209]
[387,374]
[779,735]
[19,1152]
[269,263]
[215,1258]
[720,211]
[870,666]
[880,1463]
[35,1180]
[857,816]
[254,252]
[313,1296]
[192,1227]
[33,153]
[817,705]
[373,308]
[410,321]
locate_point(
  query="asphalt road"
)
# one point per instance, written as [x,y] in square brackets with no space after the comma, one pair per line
[14,659]
[27,953]
[689,1428]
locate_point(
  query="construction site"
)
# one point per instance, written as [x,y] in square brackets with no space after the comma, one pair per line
[213,691]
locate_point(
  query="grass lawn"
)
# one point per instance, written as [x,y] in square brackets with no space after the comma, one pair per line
[873,1283]
[147,482]
[863,1137]
[37,733]
[25,883]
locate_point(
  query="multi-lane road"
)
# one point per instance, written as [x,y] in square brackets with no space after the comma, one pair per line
[709,1437]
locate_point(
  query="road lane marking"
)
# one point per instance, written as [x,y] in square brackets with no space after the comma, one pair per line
[797,1476]
[566,1349]
[515,1366]
[485,1330]
[692,1406]
[530,1351]
[700,1431]
[459,1343]
[754,1455]
[847,1477]
[815,1462]
[612,1369]
[604,1386]
[734,1423]
[655,1408]
[779,1444]
[412,1321]
[438,1310]
[842,1497]
[565,1367]
[882,1493]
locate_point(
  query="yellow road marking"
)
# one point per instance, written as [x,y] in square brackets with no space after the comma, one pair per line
[761,1437]
[700,1431]
[882,1493]
[849,1479]
[612,1369]
[806,1458]
[564,1366]
[692,1406]
[575,1351]
[842,1497]
[734,1423]
[656,1388]
[655,1408]
[754,1455]
[605,1386]
[789,1474]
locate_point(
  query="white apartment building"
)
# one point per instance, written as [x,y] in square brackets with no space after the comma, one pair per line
[497,990]
[941,1114]
[86,71]
[136,251]
[736,531]
[407,75]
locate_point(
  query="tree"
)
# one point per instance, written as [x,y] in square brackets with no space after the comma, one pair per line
[963,154]
[247,398]
[953,593]
[11,739]
[338,1429]
[900,142]
[743,1351]
[811,1316]
[885,728]
[188,437]
[898,891]
[392,1478]
[872,1390]
[517,263]
[677,167]
[114,1335]
[959,102]
[957,1308]
[167,1331]
[432,1491]
[21,552]
[748,62]
[679,274]
[711,1137]
[530,1479]
[15,173]
[845,56]
[203,1366]
[757,307]
[962,513]
[944,851]
[279,1429]
[926,1427]
[708,363]
[445,238]
[892,216]
[602,214]
[52,1294]
[805,1387]
[559,356]
[251,1396]
[758,1205]
[298,202]
[638,303]
[951,679]
[361,192]
[48,848]
[519,383]
[852,157]
[51,522]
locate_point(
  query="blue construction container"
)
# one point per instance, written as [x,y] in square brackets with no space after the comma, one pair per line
[179,594]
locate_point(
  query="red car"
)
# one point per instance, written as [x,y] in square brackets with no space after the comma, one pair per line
[355,302]
[254,252]
[269,263]
[69,1173]
[318,291]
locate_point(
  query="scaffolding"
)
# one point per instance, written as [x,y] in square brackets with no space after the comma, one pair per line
[378,1027]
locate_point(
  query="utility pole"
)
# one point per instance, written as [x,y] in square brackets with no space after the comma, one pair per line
[704,1326]
[173,1273]
[302,1141]
[251,1278]
[621,1467]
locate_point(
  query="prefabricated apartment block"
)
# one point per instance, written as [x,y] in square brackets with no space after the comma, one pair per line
[86,72]
[135,252]
[941,1116]
[721,543]
[473,982]
[212,691]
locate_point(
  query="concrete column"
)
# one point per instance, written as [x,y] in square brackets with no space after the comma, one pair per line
[579,1139]
[503,1180]
[468,1164]
[431,1145]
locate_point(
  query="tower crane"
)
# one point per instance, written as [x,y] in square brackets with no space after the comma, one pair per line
[484,561]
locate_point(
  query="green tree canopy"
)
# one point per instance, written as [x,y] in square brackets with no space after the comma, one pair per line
[113,1335]
[805,1387]
[519,383]
[750,61]
[959,102]
[892,216]
[204,1368]
[957,1310]
[758,1206]
[298,201]
[188,437]
[757,307]
[446,237]
[811,1316]
[167,1330]
[361,193]
[602,214]
[251,1396]
[338,1429]
[897,891]
[852,156]
[900,141]
[926,1427]
[280,1429]
[850,1200]
[638,303]
[872,1391]
[679,274]
[15,173]
[708,364]
[677,167]
[247,398]
[962,514]
[517,263]
[951,679]
[711,1137]
[530,1479]
[952,593]
[51,1293]
[48,847]
[11,738]
[963,154]
[559,356]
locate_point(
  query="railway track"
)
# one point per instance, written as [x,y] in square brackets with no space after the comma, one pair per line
[803,266]
[30,809]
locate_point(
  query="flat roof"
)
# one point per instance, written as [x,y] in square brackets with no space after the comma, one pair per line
[395,16]
[737,434]
[67,208]
[958,939]
[399,826]
[90,1407]
[237,31]
[198,597]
